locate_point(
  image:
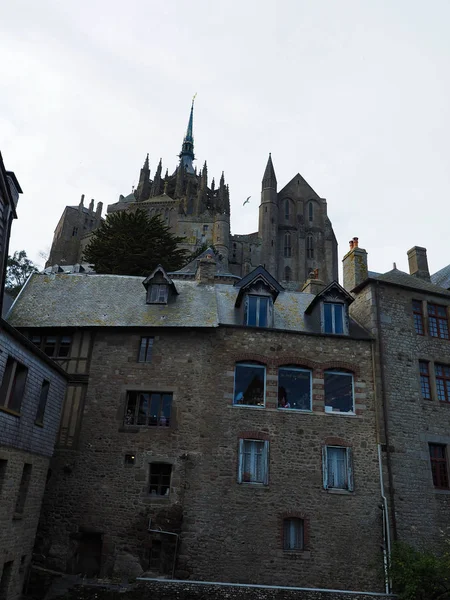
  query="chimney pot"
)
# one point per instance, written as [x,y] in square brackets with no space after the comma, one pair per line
[355,265]
[352,243]
[355,242]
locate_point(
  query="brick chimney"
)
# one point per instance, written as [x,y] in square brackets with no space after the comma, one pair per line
[355,265]
[206,269]
[418,263]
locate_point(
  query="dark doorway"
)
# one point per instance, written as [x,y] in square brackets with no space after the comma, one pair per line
[89,554]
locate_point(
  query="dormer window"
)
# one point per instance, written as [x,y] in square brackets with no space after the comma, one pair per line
[258,310]
[333,317]
[158,293]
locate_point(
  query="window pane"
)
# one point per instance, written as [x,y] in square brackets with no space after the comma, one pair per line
[164,419]
[251,317]
[328,318]
[338,318]
[18,388]
[263,308]
[337,467]
[42,401]
[64,346]
[249,385]
[142,409]
[253,468]
[294,388]
[130,414]
[50,345]
[293,534]
[155,408]
[339,391]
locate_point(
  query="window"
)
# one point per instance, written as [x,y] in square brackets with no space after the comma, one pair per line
[442,373]
[13,385]
[287,274]
[253,461]
[337,468]
[418,316]
[23,488]
[258,310]
[158,293]
[294,388]
[160,479]
[293,534]
[310,211]
[287,211]
[145,349]
[151,409]
[74,231]
[42,401]
[129,459]
[287,245]
[338,392]
[425,380]
[3,465]
[309,247]
[249,384]
[333,317]
[439,469]
[53,345]
[437,321]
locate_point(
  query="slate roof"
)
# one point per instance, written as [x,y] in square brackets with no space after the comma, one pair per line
[397,277]
[442,277]
[80,300]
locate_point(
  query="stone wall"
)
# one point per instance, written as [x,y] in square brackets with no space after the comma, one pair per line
[228,531]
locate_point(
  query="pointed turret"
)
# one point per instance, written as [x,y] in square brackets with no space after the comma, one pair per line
[269,179]
[157,182]
[142,191]
[187,149]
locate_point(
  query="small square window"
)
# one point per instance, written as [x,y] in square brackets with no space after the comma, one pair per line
[338,392]
[158,293]
[159,479]
[439,466]
[13,385]
[337,468]
[149,409]
[249,384]
[294,388]
[129,459]
[253,461]
[293,535]
[333,317]
[145,349]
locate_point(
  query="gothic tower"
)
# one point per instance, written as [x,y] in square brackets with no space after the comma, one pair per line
[268,219]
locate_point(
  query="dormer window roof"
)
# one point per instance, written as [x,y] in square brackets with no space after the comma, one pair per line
[160,288]
[258,279]
[333,303]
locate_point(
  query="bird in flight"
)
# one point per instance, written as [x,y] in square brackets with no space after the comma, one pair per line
[248,200]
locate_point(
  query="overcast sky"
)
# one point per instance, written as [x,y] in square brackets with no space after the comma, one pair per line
[353,94]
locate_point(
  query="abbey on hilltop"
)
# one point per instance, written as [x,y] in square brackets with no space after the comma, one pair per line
[294,238]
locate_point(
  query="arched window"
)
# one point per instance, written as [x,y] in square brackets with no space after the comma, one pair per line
[287,245]
[287,274]
[310,211]
[309,247]
[287,209]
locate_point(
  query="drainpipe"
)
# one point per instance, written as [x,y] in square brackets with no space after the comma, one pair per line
[176,543]
[385,412]
[386,529]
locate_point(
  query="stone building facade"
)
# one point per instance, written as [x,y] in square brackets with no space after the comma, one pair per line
[294,237]
[408,315]
[221,430]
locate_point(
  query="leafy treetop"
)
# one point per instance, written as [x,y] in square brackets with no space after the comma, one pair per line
[18,268]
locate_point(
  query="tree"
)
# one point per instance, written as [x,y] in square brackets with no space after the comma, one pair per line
[420,574]
[18,268]
[132,243]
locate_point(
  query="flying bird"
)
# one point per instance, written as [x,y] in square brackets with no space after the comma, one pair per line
[248,200]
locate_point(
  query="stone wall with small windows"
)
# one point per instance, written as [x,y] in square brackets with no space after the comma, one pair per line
[418,407]
[162,482]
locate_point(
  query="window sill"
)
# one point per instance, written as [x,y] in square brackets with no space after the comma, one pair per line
[139,428]
[296,554]
[149,499]
[340,413]
[295,410]
[253,483]
[338,491]
[248,406]
[9,411]
[442,491]
[39,424]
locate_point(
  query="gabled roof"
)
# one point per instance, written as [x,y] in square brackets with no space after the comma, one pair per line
[191,266]
[334,285]
[159,269]
[402,279]
[307,190]
[258,275]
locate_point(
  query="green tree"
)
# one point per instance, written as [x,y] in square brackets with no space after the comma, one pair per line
[18,268]
[420,574]
[132,243]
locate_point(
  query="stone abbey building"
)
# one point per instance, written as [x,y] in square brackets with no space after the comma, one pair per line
[294,237]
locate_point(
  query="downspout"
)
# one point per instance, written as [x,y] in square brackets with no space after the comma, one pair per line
[385,413]
[176,543]
[386,529]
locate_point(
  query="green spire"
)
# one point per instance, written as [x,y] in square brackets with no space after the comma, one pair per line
[187,149]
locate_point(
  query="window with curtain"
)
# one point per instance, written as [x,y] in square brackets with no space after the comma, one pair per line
[253,461]
[293,534]
[337,468]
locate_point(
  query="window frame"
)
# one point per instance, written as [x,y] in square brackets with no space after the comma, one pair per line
[43,396]
[269,310]
[310,211]
[309,247]
[59,343]
[24,487]
[440,481]
[249,364]
[333,318]
[425,381]
[264,462]
[418,317]
[160,476]
[438,320]
[145,349]
[441,382]
[303,370]
[158,293]
[150,393]
[292,521]
[350,487]
[287,245]
[12,391]
[338,412]
[287,211]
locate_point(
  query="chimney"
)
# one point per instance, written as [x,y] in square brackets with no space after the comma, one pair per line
[206,269]
[80,206]
[313,285]
[355,265]
[418,263]
[91,206]
[98,212]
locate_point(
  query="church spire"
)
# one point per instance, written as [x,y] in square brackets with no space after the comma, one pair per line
[269,179]
[187,149]
[143,189]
